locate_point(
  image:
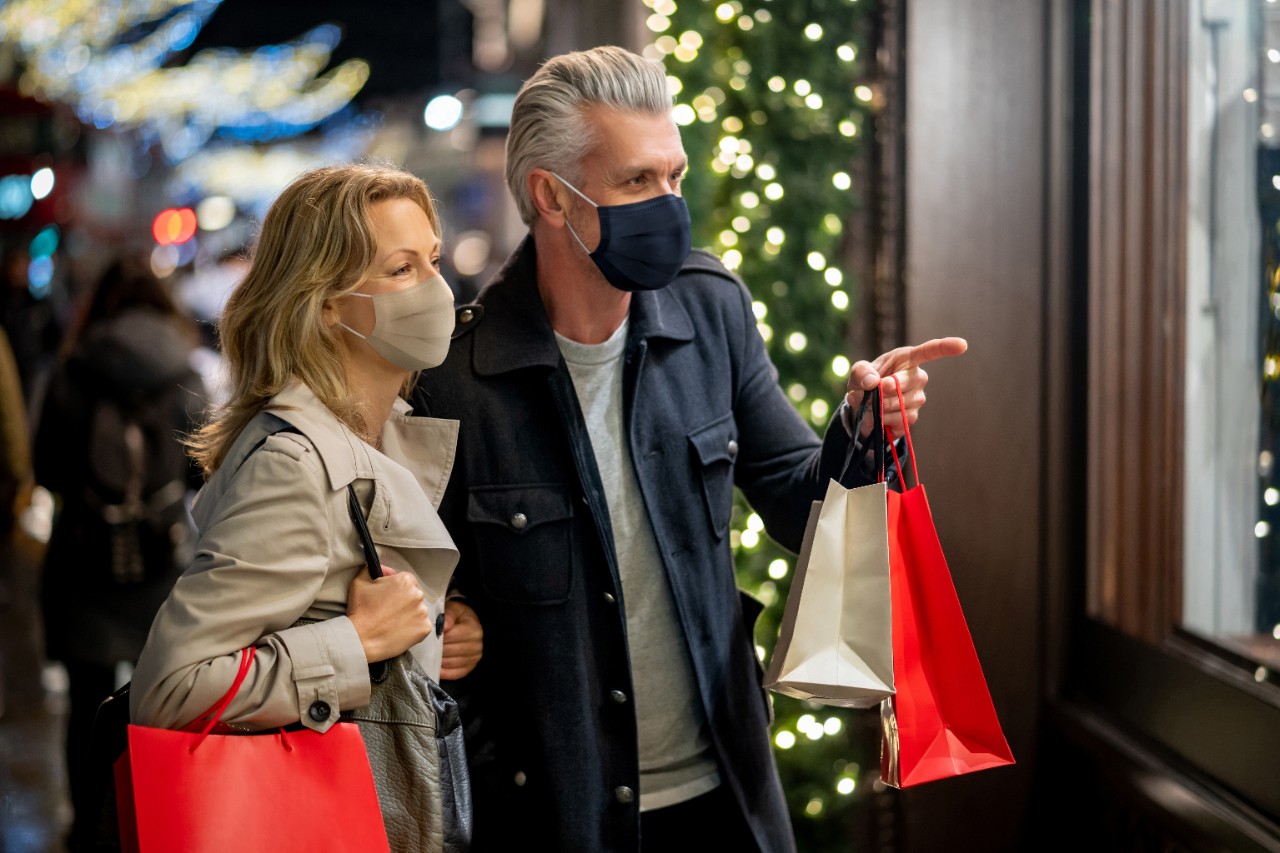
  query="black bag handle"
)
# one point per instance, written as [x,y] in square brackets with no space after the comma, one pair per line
[371,560]
[857,447]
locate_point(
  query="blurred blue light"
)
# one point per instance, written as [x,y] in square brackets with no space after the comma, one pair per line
[15,196]
[185,29]
[327,35]
[44,244]
[40,277]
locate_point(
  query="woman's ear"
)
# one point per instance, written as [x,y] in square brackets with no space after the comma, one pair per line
[329,313]
[545,191]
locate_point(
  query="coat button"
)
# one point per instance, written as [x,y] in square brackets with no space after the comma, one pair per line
[733,447]
[465,315]
[618,697]
[440,624]
[623,794]
[520,778]
[519,521]
[608,598]
[319,711]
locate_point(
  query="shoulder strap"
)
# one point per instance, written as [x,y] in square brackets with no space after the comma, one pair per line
[281,425]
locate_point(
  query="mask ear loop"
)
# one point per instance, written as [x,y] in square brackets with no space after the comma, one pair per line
[566,218]
[348,328]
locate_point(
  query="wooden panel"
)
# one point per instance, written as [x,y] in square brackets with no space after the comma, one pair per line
[976,213]
[1136,286]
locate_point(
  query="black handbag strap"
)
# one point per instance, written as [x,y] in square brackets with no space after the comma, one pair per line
[371,560]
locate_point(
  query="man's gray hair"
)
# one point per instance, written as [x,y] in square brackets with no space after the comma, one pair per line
[548,123]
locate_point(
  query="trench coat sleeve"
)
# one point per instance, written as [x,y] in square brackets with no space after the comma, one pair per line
[260,562]
[782,467]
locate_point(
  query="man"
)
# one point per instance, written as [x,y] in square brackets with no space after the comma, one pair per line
[606,417]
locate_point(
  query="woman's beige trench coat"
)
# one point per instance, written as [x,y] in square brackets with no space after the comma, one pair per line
[277,544]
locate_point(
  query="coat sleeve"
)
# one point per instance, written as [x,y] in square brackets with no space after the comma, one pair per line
[782,466]
[260,562]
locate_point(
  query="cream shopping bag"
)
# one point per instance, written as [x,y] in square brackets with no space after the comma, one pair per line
[836,644]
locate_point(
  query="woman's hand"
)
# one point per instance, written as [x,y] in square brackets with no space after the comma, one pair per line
[390,613]
[463,641]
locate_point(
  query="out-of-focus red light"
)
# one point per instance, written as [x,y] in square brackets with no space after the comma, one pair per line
[173,227]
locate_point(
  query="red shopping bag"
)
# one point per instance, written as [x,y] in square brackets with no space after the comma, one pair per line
[941,722]
[200,792]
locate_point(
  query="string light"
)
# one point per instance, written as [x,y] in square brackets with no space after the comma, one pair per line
[83,54]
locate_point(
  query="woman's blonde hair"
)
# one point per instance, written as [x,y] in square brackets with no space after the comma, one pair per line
[315,244]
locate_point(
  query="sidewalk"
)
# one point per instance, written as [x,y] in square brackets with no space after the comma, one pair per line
[34,810]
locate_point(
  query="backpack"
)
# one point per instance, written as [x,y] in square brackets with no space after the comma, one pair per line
[136,479]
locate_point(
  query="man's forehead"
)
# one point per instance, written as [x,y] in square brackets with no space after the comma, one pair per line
[634,139]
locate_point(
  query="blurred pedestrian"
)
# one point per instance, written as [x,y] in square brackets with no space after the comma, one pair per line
[29,322]
[15,475]
[109,444]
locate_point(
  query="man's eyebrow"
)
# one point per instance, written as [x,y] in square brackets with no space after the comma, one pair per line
[623,172]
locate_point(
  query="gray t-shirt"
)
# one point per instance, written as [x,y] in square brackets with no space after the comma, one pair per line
[676,759]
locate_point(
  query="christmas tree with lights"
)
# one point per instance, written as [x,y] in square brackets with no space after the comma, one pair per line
[773,107]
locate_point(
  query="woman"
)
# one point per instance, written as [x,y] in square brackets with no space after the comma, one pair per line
[342,305]
[108,445]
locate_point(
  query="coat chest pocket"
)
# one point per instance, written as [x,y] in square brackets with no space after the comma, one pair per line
[524,540]
[714,449]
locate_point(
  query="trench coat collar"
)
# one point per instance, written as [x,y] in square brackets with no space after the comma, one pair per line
[425,446]
[516,332]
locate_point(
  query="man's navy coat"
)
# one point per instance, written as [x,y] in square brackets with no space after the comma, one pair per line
[551,732]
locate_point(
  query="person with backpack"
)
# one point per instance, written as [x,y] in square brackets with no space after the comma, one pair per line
[109,445]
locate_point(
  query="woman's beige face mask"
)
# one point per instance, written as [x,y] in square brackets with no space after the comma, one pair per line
[411,327]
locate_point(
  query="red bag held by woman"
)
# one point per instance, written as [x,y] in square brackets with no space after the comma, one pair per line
[199,792]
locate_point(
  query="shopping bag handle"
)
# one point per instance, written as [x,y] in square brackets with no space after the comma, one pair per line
[875,437]
[215,711]
[906,432]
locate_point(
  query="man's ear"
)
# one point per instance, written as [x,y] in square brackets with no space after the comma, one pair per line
[546,193]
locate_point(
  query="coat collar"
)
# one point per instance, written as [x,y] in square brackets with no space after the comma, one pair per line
[425,446]
[516,332]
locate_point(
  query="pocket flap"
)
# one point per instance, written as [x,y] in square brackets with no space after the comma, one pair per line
[715,442]
[519,508]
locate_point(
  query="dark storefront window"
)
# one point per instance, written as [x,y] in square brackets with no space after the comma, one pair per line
[1231,582]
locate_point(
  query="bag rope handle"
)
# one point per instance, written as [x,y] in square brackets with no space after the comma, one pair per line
[215,711]
[906,432]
